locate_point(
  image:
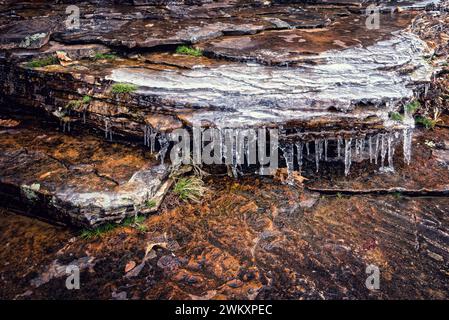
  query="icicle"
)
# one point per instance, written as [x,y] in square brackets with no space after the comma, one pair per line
[287,152]
[299,149]
[325,149]
[307,148]
[339,143]
[376,151]
[370,148]
[84,116]
[145,134]
[317,154]
[107,129]
[407,144]
[362,146]
[383,150]
[348,156]
[390,152]
[164,144]
[152,134]
[235,156]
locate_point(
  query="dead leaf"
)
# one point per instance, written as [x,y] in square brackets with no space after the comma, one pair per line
[130,265]
[62,56]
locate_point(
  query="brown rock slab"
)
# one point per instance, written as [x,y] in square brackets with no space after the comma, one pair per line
[83,181]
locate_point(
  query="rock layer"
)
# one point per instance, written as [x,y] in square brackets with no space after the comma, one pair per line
[82,181]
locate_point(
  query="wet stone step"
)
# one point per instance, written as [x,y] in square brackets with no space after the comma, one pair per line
[79,180]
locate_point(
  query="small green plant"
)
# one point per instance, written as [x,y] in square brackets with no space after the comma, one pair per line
[86,100]
[397,195]
[133,222]
[104,56]
[98,232]
[123,88]
[189,51]
[339,195]
[76,104]
[190,189]
[150,204]
[43,62]
[396,116]
[412,107]
[136,223]
[73,104]
[426,122]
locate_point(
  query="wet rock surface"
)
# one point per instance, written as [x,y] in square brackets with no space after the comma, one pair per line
[315,69]
[80,180]
[251,240]
[316,65]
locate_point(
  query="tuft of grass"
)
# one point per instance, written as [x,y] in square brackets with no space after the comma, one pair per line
[104,56]
[426,122]
[186,50]
[150,204]
[190,189]
[396,116]
[339,195]
[123,88]
[133,222]
[76,104]
[98,232]
[412,107]
[73,104]
[43,62]
[136,223]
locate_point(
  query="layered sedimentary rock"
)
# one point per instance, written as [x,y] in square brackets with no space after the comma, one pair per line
[318,70]
[82,181]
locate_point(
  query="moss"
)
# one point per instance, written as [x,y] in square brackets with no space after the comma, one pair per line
[189,51]
[39,63]
[396,116]
[104,56]
[123,88]
[189,189]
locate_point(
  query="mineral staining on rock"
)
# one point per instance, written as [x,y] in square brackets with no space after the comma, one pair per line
[82,181]
[314,70]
